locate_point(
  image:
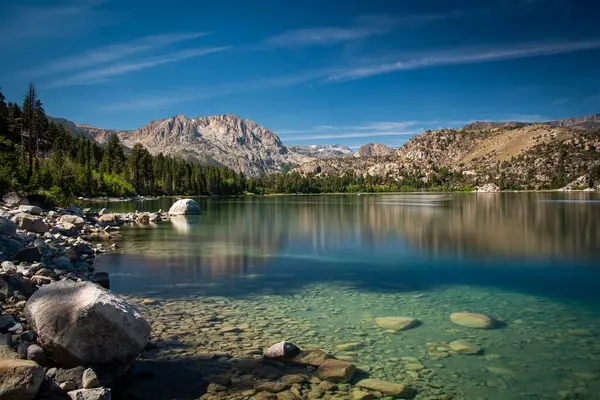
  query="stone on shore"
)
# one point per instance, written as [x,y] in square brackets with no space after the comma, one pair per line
[84,324]
[184,207]
[33,210]
[336,371]
[30,223]
[396,323]
[7,227]
[90,379]
[90,394]
[388,388]
[14,199]
[36,353]
[285,350]
[72,219]
[19,379]
[472,320]
[464,347]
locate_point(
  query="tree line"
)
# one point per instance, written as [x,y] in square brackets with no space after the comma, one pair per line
[38,156]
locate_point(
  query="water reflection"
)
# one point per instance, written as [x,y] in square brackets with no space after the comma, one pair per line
[483,226]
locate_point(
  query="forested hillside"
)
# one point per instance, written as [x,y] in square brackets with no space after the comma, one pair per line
[39,156]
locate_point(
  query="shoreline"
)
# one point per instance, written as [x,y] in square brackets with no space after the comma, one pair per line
[86,200]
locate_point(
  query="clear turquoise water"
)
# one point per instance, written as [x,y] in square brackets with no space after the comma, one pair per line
[317,270]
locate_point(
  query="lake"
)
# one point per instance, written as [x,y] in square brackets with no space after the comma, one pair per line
[317,270]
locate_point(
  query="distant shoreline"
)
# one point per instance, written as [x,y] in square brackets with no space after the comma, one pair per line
[148,198]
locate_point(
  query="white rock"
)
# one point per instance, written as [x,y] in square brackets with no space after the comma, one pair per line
[487,188]
[184,206]
[84,324]
[90,379]
[72,219]
[90,394]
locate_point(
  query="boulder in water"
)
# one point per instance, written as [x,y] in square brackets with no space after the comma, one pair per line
[396,323]
[184,207]
[472,320]
[285,350]
[84,324]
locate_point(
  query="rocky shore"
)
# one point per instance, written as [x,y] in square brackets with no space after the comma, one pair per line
[63,334]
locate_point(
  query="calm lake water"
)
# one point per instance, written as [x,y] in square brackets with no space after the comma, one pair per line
[316,270]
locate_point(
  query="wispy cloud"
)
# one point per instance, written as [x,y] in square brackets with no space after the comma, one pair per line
[381,126]
[29,22]
[561,101]
[99,74]
[465,56]
[362,27]
[156,100]
[347,135]
[106,54]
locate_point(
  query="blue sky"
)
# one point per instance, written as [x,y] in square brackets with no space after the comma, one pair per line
[324,71]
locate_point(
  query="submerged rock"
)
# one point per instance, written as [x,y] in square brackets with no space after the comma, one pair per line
[19,379]
[472,320]
[336,371]
[389,388]
[84,324]
[464,347]
[396,323]
[184,207]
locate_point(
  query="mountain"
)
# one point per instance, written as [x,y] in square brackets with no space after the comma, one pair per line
[227,140]
[373,150]
[529,156]
[587,123]
[322,151]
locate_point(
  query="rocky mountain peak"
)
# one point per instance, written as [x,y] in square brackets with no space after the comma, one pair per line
[373,150]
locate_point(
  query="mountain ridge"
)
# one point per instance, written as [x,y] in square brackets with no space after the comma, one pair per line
[248,147]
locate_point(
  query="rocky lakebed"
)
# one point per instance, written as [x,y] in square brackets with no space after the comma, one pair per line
[65,335]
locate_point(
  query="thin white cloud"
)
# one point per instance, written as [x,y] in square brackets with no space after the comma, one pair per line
[363,27]
[347,135]
[465,56]
[106,54]
[561,101]
[88,77]
[155,100]
[382,126]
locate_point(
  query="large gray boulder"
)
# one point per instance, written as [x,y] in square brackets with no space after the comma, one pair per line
[30,223]
[80,323]
[14,199]
[184,207]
